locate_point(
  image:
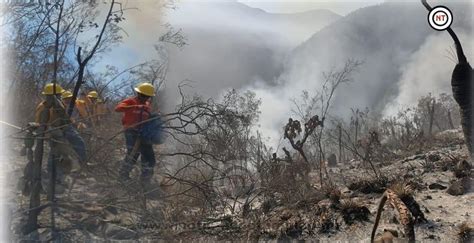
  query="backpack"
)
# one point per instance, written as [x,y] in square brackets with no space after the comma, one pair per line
[151,132]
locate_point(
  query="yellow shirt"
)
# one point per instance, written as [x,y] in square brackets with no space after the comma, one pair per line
[95,110]
[101,107]
[54,115]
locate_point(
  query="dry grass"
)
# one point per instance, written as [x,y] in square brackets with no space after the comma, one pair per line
[352,211]
[402,190]
[406,193]
[333,193]
[327,221]
[370,185]
[462,169]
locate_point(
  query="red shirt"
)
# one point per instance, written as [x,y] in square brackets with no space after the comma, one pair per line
[133,115]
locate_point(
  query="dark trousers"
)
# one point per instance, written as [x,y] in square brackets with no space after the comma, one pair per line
[76,142]
[146,152]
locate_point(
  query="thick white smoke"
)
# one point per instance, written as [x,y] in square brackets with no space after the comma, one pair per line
[400,63]
[429,70]
[229,44]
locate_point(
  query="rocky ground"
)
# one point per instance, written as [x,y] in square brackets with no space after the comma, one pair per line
[444,212]
[95,208]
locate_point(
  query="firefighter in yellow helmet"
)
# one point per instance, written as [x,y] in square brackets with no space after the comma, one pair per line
[102,109]
[135,110]
[60,124]
[95,107]
[79,113]
[50,90]
[93,95]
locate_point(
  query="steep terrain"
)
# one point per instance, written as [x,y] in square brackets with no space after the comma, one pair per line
[403,59]
[231,45]
[95,206]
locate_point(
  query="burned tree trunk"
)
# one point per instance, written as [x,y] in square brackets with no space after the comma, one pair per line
[83,62]
[461,83]
[35,200]
[431,110]
[28,176]
[293,129]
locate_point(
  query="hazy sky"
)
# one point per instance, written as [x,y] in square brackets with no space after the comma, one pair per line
[341,7]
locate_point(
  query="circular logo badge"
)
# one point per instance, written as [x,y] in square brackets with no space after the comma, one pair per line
[440,18]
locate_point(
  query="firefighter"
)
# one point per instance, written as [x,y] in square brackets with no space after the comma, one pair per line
[59,127]
[79,114]
[136,110]
[94,107]
[102,110]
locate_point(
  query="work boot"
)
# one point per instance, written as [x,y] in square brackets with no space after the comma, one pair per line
[146,176]
[124,172]
[124,178]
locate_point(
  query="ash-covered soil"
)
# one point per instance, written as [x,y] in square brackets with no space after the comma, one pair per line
[95,207]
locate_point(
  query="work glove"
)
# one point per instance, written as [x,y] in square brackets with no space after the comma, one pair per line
[32,125]
[138,106]
[81,125]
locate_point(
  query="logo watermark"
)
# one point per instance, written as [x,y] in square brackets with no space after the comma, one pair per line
[440,18]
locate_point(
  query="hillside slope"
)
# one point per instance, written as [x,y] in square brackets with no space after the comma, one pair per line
[233,45]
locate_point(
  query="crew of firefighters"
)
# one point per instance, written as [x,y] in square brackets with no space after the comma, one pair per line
[88,114]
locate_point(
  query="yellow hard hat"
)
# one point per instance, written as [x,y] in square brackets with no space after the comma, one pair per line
[66,94]
[48,89]
[93,94]
[145,89]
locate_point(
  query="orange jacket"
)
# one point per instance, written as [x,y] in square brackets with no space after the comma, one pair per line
[89,106]
[134,111]
[79,115]
[81,108]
